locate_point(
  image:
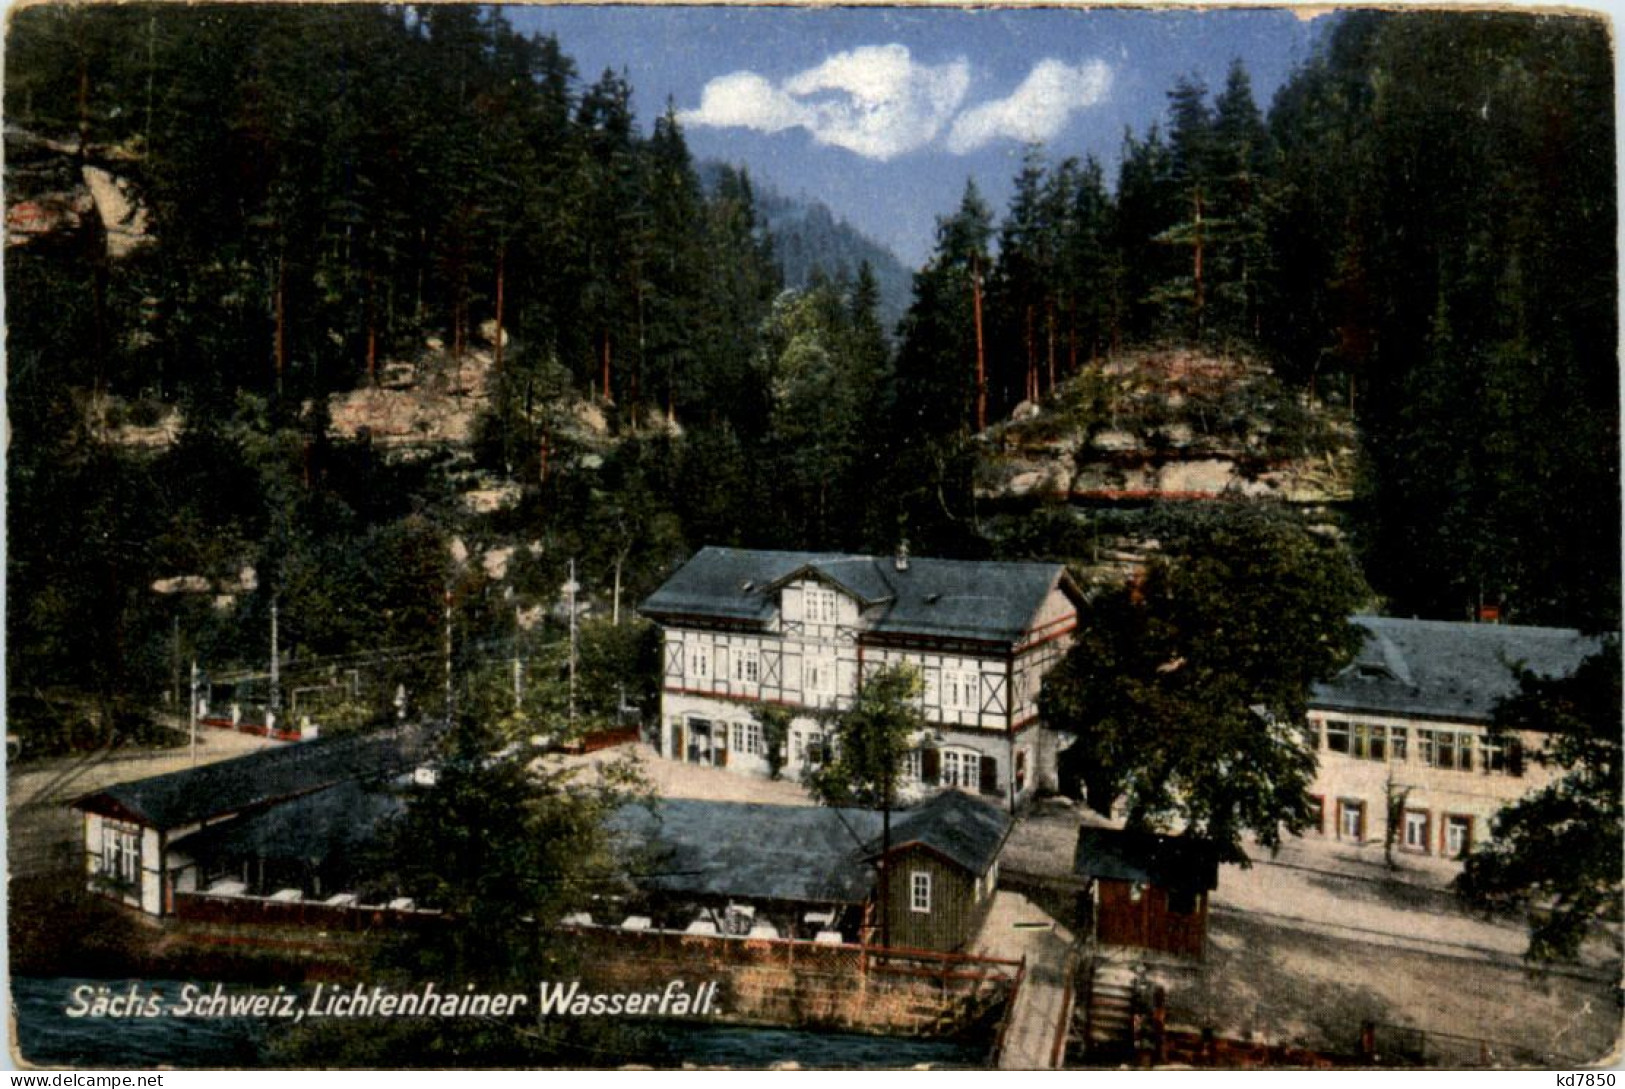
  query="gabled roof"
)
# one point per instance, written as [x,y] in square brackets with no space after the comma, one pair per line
[954,825]
[988,601]
[259,779]
[1175,863]
[806,854]
[1440,669]
[331,824]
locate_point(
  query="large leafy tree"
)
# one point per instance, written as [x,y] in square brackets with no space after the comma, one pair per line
[1187,688]
[1557,850]
[867,744]
[505,847]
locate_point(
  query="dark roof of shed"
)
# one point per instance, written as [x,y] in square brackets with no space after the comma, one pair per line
[971,599]
[764,852]
[260,778]
[1446,670]
[962,829]
[1176,863]
[333,823]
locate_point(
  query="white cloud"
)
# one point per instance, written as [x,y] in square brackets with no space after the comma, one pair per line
[1037,110]
[746,100]
[875,101]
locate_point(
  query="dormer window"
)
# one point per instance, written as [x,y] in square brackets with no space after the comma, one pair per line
[821,606]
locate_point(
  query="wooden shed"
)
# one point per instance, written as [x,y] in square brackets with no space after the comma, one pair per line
[1148,891]
[943,866]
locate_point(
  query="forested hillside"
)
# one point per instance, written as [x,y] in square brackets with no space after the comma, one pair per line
[222,223]
[1421,230]
[811,242]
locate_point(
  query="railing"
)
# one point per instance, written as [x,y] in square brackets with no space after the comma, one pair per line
[201,907]
[946,968]
[1009,1013]
[1063,1022]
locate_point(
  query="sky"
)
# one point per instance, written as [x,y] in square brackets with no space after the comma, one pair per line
[883,113]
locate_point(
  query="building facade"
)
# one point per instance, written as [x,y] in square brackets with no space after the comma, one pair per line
[1406,729]
[802,630]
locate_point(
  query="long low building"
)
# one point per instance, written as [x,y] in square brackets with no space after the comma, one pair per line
[149,840]
[1407,726]
[809,872]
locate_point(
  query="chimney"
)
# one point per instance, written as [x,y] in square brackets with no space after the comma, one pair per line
[901,561]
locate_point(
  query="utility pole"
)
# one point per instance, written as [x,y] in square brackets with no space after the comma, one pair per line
[518,668]
[981,365]
[175,661]
[570,589]
[191,714]
[276,673]
[448,653]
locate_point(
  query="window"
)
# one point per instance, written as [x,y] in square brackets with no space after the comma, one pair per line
[1317,813]
[818,675]
[959,690]
[748,738]
[1458,835]
[1021,770]
[931,686]
[1365,740]
[911,766]
[820,605]
[1448,749]
[1416,829]
[747,665]
[121,853]
[1501,757]
[961,768]
[1370,742]
[1351,820]
[699,661]
[919,892]
[807,747]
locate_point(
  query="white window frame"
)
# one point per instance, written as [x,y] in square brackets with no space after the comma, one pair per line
[747,665]
[818,674]
[121,853]
[747,738]
[1347,809]
[699,661]
[1457,823]
[804,743]
[919,892]
[820,605]
[961,768]
[911,766]
[960,689]
[1417,824]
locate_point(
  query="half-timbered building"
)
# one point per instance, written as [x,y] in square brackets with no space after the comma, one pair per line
[803,630]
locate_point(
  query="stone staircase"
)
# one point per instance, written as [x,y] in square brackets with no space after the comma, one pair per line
[1108,1012]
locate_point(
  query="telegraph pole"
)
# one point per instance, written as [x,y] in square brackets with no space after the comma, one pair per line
[191,714]
[448,654]
[570,589]
[276,692]
[518,669]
